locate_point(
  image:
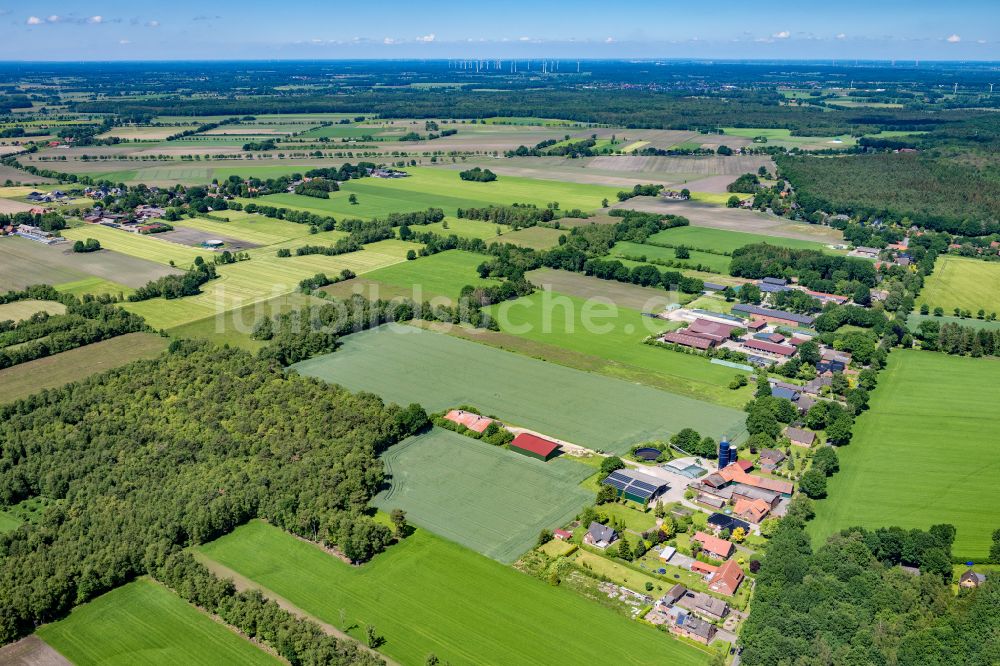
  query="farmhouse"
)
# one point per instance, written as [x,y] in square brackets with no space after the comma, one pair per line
[770,459]
[534,446]
[784,392]
[600,536]
[971,579]
[562,535]
[864,252]
[741,491]
[800,436]
[635,486]
[752,511]
[713,330]
[774,316]
[470,420]
[693,341]
[697,602]
[713,546]
[727,579]
[733,475]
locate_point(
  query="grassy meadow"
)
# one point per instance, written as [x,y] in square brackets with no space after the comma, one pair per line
[721,240]
[405,363]
[924,454]
[439,275]
[616,334]
[506,497]
[19,310]
[961,282]
[472,610]
[144,622]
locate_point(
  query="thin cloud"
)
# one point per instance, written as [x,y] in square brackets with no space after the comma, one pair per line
[124,42]
[153,24]
[34,20]
[93,20]
[388,40]
[953,39]
[841,36]
[784,34]
[427,39]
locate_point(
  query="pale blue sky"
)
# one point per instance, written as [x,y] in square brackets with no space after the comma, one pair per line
[230,29]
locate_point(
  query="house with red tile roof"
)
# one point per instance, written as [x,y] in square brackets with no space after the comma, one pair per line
[713,546]
[470,420]
[752,511]
[727,579]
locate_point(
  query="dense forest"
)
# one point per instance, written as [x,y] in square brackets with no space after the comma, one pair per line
[161,454]
[931,193]
[850,602]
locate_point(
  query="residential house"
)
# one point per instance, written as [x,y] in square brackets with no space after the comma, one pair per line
[600,536]
[562,535]
[700,567]
[752,511]
[698,602]
[713,546]
[735,474]
[694,628]
[770,459]
[971,579]
[470,420]
[727,579]
[800,436]
[719,522]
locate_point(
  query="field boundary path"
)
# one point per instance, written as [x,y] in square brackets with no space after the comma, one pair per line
[243,583]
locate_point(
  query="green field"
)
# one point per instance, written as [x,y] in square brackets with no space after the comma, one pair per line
[264,277]
[622,294]
[441,188]
[925,453]
[721,240]
[466,228]
[715,262]
[405,363]
[442,274]
[22,380]
[19,310]
[144,622]
[486,498]
[95,286]
[960,282]
[255,229]
[537,238]
[615,333]
[913,321]
[8,522]
[137,245]
[783,137]
[430,595]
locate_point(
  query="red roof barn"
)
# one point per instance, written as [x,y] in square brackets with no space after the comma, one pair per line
[534,446]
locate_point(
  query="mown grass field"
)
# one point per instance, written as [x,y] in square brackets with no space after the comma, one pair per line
[20,381]
[465,228]
[960,282]
[255,229]
[486,498]
[442,274]
[95,286]
[442,188]
[714,262]
[622,294]
[925,453]
[615,333]
[783,137]
[913,321]
[405,363]
[472,610]
[8,522]
[19,310]
[537,238]
[264,277]
[144,247]
[721,240]
[144,622]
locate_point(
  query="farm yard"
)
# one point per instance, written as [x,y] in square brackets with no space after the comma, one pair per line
[960,282]
[144,622]
[472,609]
[486,498]
[930,415]
[400,362]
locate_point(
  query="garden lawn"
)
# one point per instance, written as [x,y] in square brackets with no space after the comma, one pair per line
[144,622]
[617,334]
[487,498]
[960,282]
[427,595]
[908,463]
[405,364]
